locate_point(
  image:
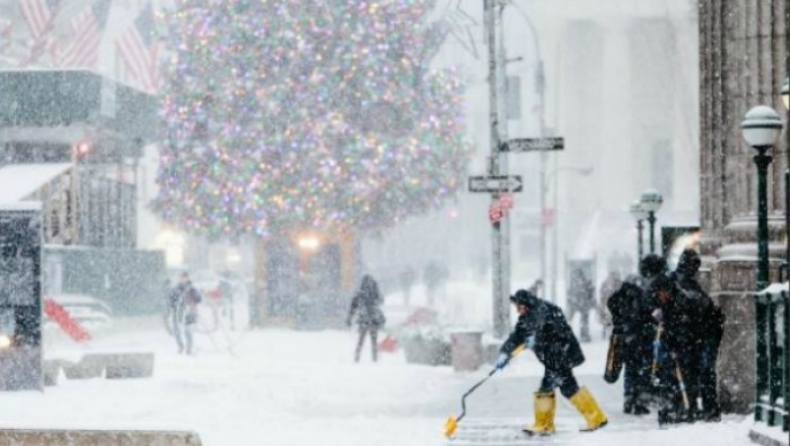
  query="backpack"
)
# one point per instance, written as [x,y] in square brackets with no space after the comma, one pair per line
[192,296]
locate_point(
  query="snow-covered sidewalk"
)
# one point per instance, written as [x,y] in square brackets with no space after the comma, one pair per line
[282,387]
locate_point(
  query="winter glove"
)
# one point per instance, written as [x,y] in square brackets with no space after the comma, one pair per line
[502,361]
[658,315]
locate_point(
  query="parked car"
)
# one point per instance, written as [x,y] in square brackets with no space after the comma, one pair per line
[89,311]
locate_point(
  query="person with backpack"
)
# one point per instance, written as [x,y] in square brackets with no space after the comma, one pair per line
[183,300]
[366,304]
[542,328]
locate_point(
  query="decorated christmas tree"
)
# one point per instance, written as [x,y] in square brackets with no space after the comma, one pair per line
[306,114]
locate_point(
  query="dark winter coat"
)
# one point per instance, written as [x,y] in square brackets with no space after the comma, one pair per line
[631,315]
[677,314]
[609,286]
[184,299]
[555,345]
[366,304]
[706,318]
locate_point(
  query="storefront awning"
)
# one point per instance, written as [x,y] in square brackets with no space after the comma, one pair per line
[19,181]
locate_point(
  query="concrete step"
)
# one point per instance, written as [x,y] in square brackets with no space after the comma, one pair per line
[57,437]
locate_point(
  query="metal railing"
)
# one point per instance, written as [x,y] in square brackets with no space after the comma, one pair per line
[772,314]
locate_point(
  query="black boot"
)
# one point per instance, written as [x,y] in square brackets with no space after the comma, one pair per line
[663,418]
[641,400]
[628,406]
[710,416]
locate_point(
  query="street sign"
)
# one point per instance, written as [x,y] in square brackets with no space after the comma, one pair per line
[493,184]
[533,144]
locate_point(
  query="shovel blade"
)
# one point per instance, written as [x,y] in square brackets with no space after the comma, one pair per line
[449,426]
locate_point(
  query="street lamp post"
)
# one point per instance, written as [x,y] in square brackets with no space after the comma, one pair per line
[639,215]
[761,127]
[651,202]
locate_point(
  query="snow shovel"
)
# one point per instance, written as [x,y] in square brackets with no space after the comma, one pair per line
[452,422]
[681,384]
[656,351]
[614,360]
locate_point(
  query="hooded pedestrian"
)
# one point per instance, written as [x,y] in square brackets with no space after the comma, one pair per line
[183,300]
[366,305]
[609,286]
[706,320]
[542,328]
[630,344]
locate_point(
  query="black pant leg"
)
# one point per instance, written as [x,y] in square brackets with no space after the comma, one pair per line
[363,331]
[562,378]
[547,383]
[689,362]
[707,382]
[584,335]
[374,345]
[643,363]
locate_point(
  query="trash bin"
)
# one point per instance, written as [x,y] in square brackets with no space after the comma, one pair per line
[467,350]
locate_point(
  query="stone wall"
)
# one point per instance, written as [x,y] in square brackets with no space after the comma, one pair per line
[742,64]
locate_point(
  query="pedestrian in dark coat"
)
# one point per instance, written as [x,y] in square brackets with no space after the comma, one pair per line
[678,368]
[609,286]
[366,304]
[632,337]
[183,300]
[581,300]
[651,268]
[542,328]
[707,324]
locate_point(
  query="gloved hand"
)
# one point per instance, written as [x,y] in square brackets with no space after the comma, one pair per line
[502,361]
[658,315]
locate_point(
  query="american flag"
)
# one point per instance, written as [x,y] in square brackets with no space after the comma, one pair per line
[40,17]
[138,50]
[86,30]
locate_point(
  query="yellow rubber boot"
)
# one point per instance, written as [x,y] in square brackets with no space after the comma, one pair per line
[545,405]
[588,407]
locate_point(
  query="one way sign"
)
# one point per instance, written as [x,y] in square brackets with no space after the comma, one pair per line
[494,184]
[533,144]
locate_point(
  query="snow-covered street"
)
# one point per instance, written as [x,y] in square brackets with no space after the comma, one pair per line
[207,205]
[284,387]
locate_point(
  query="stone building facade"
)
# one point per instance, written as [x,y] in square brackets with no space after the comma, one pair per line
[742,64]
